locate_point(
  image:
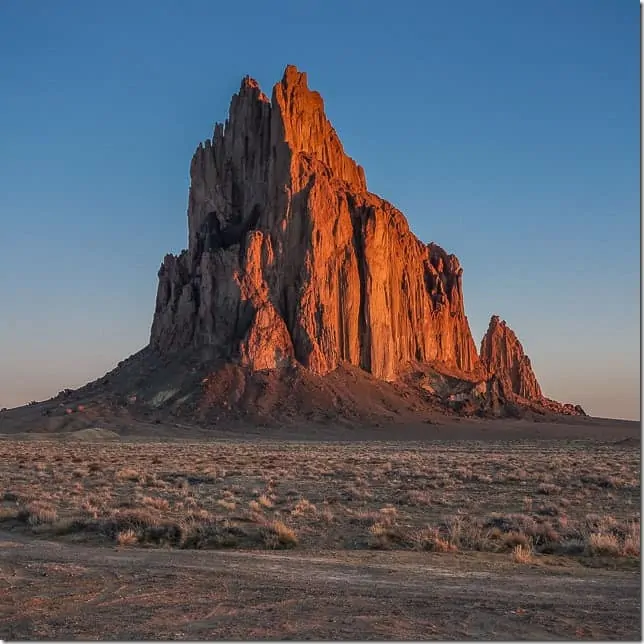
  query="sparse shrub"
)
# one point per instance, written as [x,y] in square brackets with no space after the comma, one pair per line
[381,536]
[303,507]
[128,474]
[164,533]
[430,539]
[326,515]
[522,554]
[548,488]
[465,533]
[571,547]
[418,497]
[277,534]
[127,537]
[209,534]
[631,547]
[603,544]
[389,511]
[38,513]
[354,493]
[156,502]
[548,510]
[514,539]
[265,501]
[138,520]
[199,515]
[546,534]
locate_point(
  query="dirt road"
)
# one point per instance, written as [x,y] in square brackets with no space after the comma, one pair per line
[71,591]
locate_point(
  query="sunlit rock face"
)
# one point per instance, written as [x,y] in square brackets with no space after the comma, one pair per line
[291,258]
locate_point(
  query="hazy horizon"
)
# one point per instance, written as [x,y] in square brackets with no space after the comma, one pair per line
[507,134]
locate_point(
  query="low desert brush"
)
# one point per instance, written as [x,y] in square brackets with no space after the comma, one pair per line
[155,502]
[631,546]
[38,514]
[522,554]
[128,474]
[127,537]
[277,534]
[303,507]
[603,544]
[430,539]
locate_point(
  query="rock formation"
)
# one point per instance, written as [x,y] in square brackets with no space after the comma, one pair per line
[291,258]
[292,264]
[509,373]
[302,297]
[502,355]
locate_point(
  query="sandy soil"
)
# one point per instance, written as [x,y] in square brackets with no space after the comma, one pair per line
[28,422]
[67,591]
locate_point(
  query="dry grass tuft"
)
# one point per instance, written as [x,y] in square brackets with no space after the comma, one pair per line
[430,539]
[128,474]
[127,537]
[38,513]
[522,554]
[277,534]
[303,507]
[603,544]
[156,502]
[631,547]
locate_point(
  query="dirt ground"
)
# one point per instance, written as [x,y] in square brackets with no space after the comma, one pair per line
[62,591]
[472,530]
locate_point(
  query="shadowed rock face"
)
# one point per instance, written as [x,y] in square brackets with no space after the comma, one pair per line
[502,356]
[291,258]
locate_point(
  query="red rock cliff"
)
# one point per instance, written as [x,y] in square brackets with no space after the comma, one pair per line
[502,355]
[291,258]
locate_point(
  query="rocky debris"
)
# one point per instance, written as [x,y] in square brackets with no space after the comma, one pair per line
[567,409]
[291,259]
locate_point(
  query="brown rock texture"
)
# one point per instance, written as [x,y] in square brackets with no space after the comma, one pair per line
[510,376]
[502,356]
[292,260]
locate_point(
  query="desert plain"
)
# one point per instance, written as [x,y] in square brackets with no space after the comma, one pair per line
[467,529]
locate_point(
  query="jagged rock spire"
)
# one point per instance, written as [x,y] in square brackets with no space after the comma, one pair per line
[291,258]
[502,355]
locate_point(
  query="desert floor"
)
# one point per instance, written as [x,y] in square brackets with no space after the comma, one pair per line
[490,530]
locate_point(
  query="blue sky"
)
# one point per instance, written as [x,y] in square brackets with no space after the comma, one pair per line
[507,132]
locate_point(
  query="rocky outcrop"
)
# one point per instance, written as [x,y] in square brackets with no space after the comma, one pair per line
[291,259]
[502,356]
[510,376]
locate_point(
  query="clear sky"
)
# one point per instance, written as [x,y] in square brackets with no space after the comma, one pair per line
[507,132]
